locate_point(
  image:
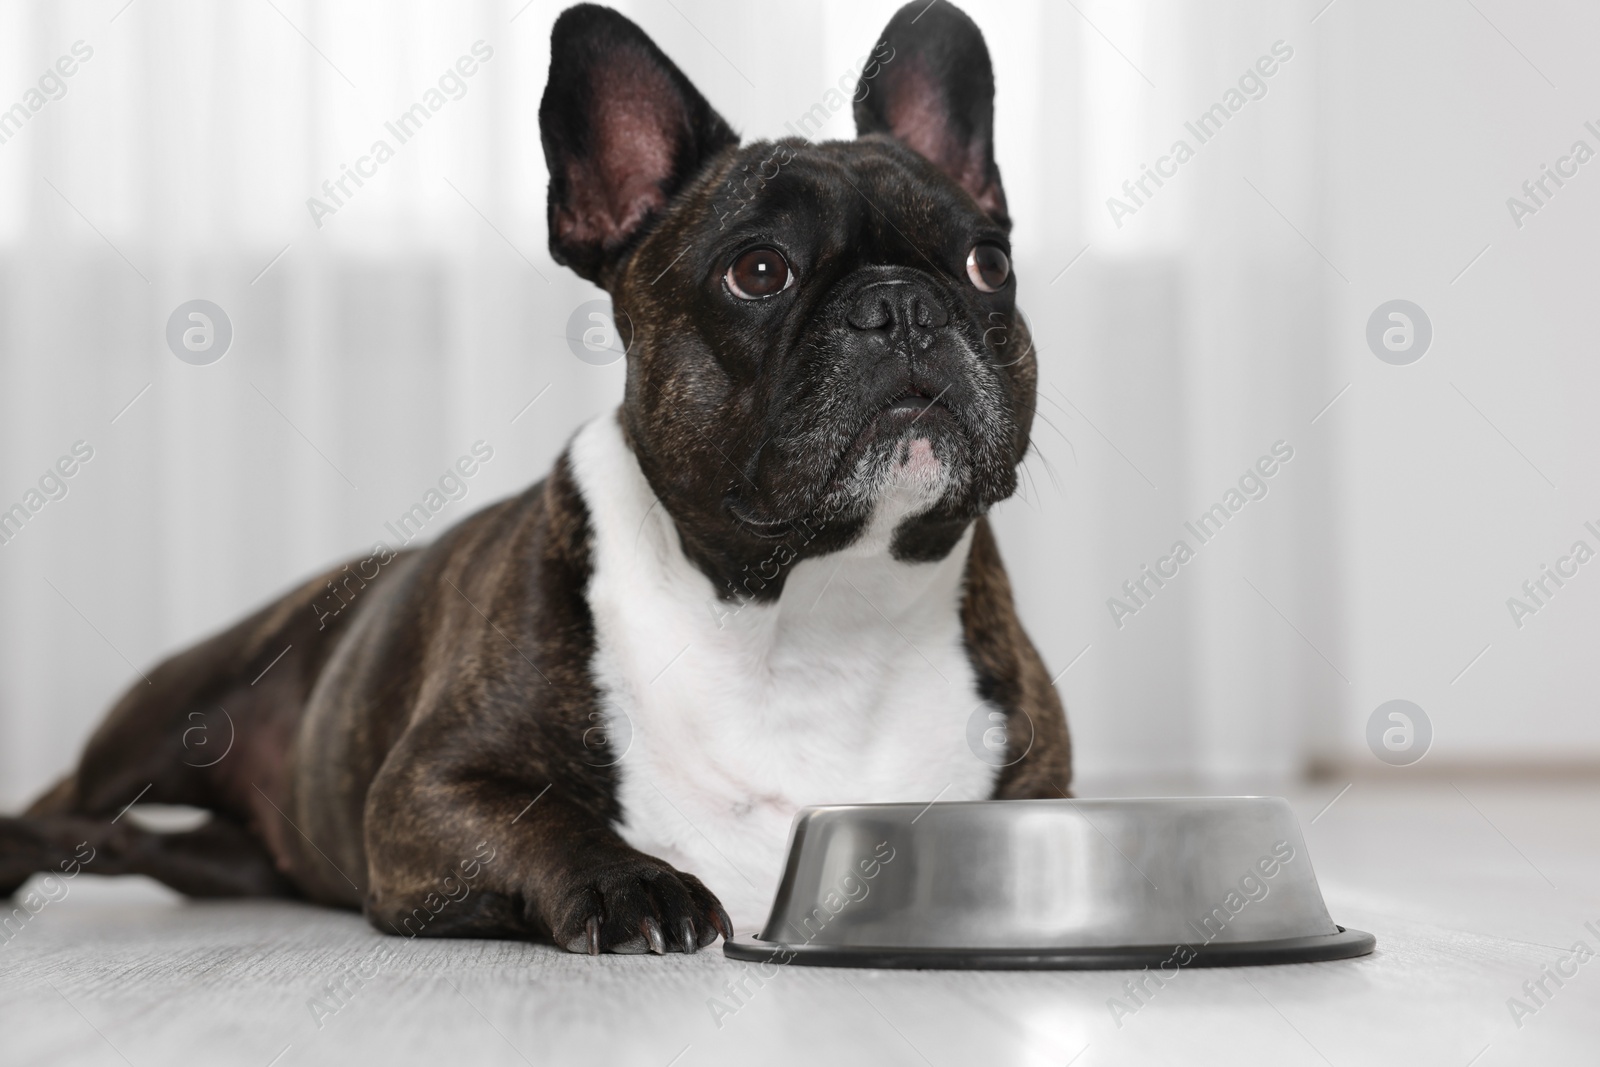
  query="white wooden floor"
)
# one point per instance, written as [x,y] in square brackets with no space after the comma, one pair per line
[1469,892]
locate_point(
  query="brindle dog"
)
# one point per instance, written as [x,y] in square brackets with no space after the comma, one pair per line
[825,365]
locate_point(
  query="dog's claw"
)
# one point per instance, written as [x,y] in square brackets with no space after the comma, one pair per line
[633,905]
[652,934]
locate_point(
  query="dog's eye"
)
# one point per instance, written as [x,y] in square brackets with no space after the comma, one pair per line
[758,274]
[989,267]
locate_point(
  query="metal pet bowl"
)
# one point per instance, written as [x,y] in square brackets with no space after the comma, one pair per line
[1079,884]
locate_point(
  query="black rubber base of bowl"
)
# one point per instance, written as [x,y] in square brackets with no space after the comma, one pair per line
[1342,945]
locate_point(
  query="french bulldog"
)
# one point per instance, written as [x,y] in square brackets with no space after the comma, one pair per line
[765,581]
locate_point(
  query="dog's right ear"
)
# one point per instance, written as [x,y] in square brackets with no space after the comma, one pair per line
[932,89]
[623,131]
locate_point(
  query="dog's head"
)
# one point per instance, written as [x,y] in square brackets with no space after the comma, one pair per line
[823,342]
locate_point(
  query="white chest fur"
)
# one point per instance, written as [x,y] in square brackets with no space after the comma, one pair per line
[853,687]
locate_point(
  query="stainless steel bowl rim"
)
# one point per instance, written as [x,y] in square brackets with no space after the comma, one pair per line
[1049,883]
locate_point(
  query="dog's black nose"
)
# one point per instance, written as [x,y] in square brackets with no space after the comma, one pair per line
[895,306]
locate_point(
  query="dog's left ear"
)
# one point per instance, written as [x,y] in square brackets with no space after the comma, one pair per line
[623,131]
[932,88]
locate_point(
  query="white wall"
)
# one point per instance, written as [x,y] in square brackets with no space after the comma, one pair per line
[1467,471]
[1218,319]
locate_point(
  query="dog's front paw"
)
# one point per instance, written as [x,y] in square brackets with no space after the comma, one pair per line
[637,904]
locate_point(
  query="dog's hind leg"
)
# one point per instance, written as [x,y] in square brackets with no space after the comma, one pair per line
[217,859]
[135,755]
[200,719]
[170,740]
[167,741]
[208,728]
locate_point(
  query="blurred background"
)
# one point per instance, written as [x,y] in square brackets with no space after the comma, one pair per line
[1184,330]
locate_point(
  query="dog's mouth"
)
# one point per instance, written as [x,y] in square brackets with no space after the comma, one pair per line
[917,403]
[911,408]
[904,411]
[914,402]
[914,421]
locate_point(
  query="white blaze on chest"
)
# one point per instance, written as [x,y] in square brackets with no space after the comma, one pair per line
[853,687]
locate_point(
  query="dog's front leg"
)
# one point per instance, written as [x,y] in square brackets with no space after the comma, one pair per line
[459,860]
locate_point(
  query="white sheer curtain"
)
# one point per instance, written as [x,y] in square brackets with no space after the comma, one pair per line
[424,315]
